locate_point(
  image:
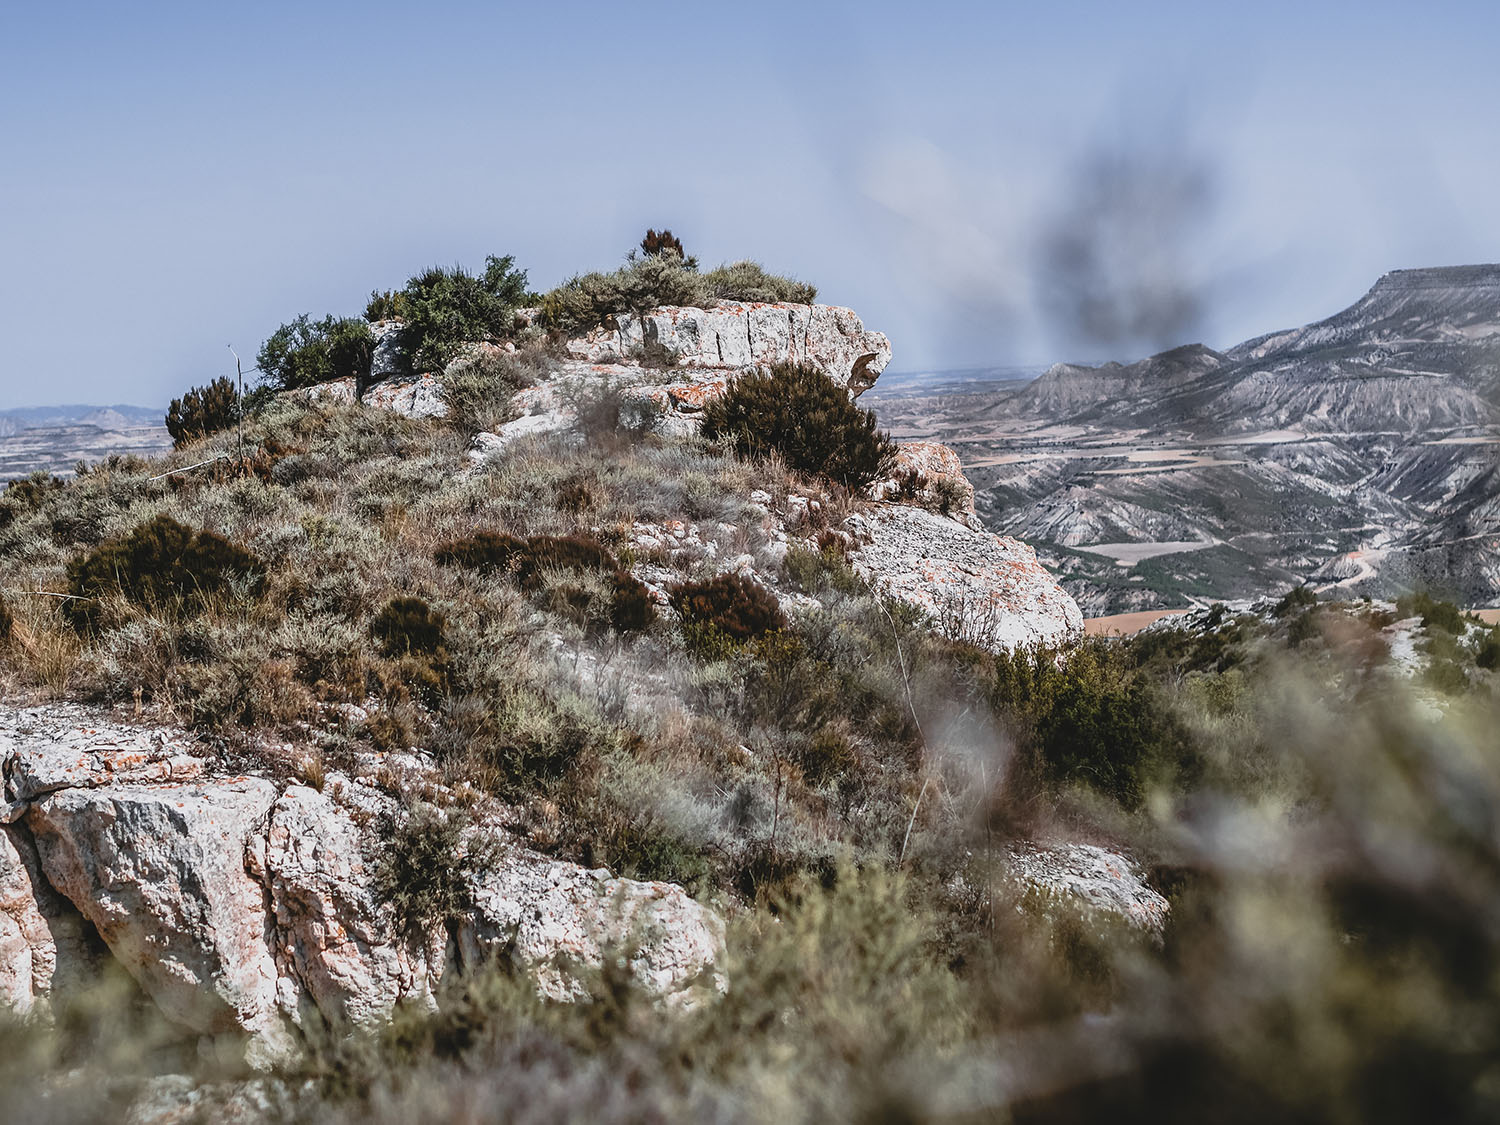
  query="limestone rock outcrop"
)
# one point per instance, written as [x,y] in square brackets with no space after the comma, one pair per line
[929,475]
[735,335]
[986,589]
[244,905]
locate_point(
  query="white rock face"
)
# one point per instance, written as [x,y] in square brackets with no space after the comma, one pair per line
[1099,879]
[736,335]
[42,946]
[987,589]
[243,905]
[160,872]
[416,396]
[389,359]
[934,476]
[546,913]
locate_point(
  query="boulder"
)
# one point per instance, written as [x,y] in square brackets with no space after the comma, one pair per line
[1093,877]
[160,870]
[986,589]
[389,359]
[416,396]
[929,475]
[550,918]
[42,937]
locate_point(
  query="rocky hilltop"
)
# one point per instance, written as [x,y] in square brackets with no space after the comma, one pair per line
[224,832]
[1359,451]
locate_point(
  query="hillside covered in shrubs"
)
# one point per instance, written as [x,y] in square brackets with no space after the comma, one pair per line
[656,651]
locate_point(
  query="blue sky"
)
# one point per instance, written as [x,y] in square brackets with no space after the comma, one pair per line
[180,177]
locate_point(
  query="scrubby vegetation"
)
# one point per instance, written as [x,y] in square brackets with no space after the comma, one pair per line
[444,309]
[661,275]
[850,787]
[735,606]
[306,352]
[796,412]
[161,565]
[203,411]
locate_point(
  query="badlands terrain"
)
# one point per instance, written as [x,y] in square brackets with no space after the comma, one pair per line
[1359,453]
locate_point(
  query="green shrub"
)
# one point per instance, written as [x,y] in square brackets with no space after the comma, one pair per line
[410,627]
[203,411]
[478,391]
[1088,717]
[733,605]
[448,308]
[1298,597]
[161,563]
[1435,614]
[797,411]
[661,277]
[427,865]
[748,281]
[387,305]
[307,352]
[1488,654]
[583,303]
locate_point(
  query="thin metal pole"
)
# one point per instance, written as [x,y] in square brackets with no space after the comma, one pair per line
[239,404]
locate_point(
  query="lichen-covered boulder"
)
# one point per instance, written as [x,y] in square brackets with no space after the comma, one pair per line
[930,475]
[986,589]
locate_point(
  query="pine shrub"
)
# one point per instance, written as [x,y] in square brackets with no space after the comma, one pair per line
[445,309]
[203,411]
[654,245]
[428,865]
[306,352]
[737,607]
[162,563]
[797,411]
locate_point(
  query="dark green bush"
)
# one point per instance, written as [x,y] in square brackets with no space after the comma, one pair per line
[26,494]
[161,563]
[1488,655]
[797,411]
[1298,597]
[484,551]
[735,606]
[387,305]
[1435,614]
[445,309]
[307,352]
[427,865]
[7,621]
[410,627]
[203,411]
[1089,717]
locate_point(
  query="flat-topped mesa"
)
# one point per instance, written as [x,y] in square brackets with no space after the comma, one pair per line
[735,335]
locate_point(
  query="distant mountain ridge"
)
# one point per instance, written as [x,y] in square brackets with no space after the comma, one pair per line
[1420,349]
[1361,450]
[55,438]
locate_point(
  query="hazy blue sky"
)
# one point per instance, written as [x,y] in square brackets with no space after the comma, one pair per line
[176,177]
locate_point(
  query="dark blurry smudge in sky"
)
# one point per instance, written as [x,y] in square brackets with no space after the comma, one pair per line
[1115,268]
